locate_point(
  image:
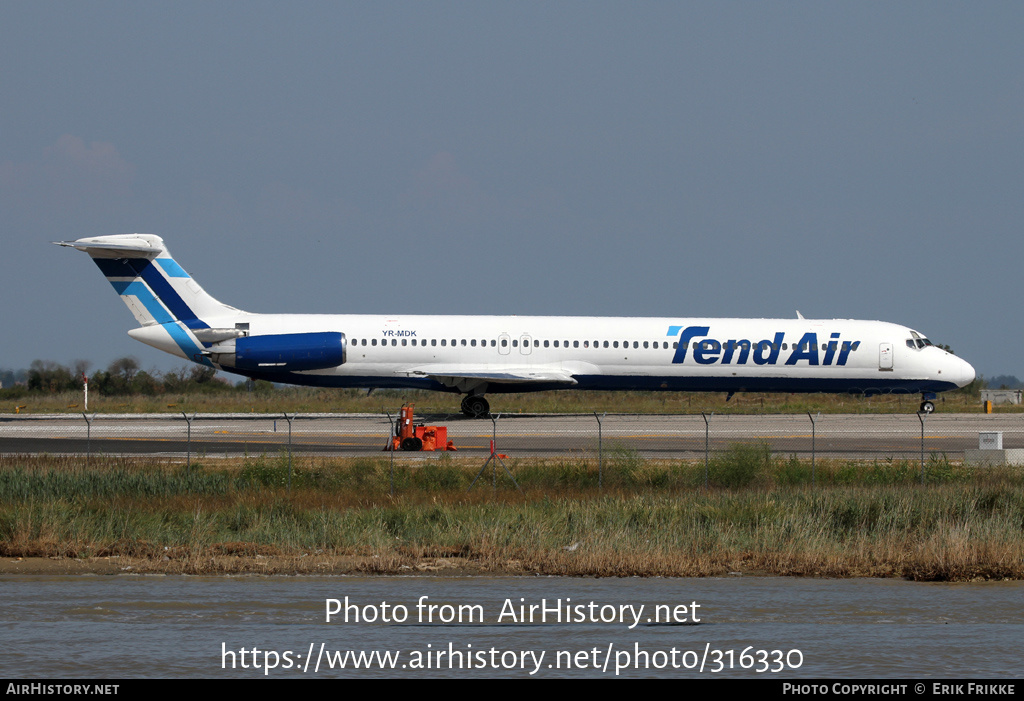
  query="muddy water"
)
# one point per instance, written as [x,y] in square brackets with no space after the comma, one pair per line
[247,626]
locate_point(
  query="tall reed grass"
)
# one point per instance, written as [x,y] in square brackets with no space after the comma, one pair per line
[760,514]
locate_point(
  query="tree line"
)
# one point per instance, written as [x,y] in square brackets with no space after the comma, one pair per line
[123,376]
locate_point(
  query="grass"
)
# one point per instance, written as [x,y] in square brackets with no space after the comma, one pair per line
[760,514]
[314,400]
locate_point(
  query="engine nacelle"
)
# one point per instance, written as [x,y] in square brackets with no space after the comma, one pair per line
[291,352]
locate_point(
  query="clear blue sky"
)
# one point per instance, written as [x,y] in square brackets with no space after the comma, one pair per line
[858,160]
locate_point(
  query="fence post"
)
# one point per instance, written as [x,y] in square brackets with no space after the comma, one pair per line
[813,439]
[600,451]
[920,417]
[707,428]
[494,458]
[289,420]
[188,441]
[88,436]
[391,449]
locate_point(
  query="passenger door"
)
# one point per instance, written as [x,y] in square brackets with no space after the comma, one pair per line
[885,356]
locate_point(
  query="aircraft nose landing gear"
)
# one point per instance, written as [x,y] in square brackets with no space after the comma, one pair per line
[927,405]
[475,406]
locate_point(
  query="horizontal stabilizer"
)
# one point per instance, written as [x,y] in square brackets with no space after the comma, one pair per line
[122,246]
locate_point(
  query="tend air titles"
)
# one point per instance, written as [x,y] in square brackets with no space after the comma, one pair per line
[695,342]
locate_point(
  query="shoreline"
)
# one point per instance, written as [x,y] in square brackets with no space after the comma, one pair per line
[370,566]
[231,565]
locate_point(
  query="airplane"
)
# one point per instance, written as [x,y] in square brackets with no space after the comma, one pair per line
[477,355]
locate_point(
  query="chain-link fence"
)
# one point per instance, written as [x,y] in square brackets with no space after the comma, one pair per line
[690,437]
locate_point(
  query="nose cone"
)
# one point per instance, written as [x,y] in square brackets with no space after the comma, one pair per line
[966,374]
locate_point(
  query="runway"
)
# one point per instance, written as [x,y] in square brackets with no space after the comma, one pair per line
[653,436]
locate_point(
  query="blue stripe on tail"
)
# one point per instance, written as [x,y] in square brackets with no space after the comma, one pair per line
[157,311]
[144,268]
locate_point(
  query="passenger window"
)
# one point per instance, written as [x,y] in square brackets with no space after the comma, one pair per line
[463,341]
[545,344]
[515,343]
[575,344]
[504,343]
[636,344]
[394,341]
[606,344]
[615,344]
[373,342]
[645,344]
[473,343]
[556,344]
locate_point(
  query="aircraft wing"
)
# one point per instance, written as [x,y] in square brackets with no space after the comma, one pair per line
[466,377]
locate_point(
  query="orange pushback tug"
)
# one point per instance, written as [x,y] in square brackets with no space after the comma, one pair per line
[411,437]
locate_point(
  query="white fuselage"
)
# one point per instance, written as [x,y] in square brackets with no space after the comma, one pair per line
[613,353]
[477,354]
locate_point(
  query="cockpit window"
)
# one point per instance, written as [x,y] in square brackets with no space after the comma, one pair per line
[918,341]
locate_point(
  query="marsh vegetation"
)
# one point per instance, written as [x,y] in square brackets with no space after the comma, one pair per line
[758,513]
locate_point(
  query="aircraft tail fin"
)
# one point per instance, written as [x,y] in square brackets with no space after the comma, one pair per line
[154,287]
[174,313]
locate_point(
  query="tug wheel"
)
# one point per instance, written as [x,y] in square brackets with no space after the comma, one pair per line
[412,443]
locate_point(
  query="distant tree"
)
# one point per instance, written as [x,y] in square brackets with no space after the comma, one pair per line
[10,378]
[201,374]
[176,380]
[1004,382]
[80,367]
[49,376]
[125,368]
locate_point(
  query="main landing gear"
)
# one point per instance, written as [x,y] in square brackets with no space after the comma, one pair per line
[474,406]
